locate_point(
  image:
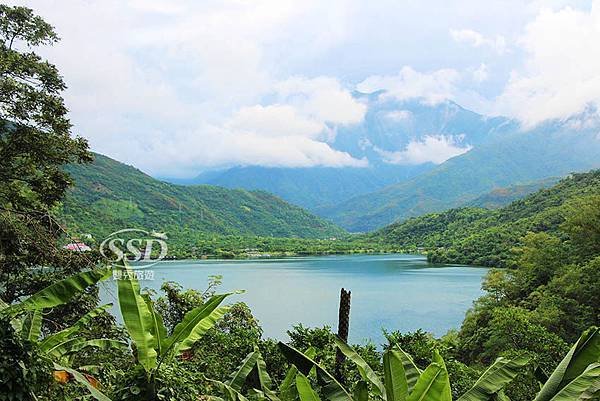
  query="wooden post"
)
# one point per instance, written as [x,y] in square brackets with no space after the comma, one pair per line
[343,328]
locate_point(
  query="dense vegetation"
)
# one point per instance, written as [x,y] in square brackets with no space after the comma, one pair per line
[500,197]
[518,157]
[110,196]
[198,245]
[486,237]
[58,343]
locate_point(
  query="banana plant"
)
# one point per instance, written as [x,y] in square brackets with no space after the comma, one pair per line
[26,317]
[253,374]
[402,380]
[148,333]
[577,376]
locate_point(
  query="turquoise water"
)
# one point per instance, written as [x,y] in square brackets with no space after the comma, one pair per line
[395,292]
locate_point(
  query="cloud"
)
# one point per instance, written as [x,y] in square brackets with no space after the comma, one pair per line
[480,73]
[562,67]
[431,149]
[476,39]
[174,87]
[322,98]
[433,87]
[399,115]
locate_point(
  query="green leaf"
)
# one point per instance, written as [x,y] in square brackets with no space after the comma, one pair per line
[158,328]
[583,353]
[365,371]
[332,389]
[94,392]
[410,368]
[60,292]
[229,392]
[361,391]
[238,378]
[57,338]
[305,390]
[396,385]
[494,379]
[433,384]
[584,387]
[287,388]
[32,327]
[195,323]
[63,348]
[100,343]
[261,372]
[138,319]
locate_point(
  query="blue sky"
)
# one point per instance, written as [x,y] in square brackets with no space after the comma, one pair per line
[175,87]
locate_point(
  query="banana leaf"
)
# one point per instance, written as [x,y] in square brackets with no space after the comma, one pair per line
[158,327]
[32,326]
[138,320]
[332,389]
[287,388]
[494,379]
[238,378]
[262,376]
[94,392]
[365,371]
[396,386]
[63,335]
[583,387]
[60,292]
[433,384]
[195,323]
[361,391]
[230,393]
[305,390]
[583,353]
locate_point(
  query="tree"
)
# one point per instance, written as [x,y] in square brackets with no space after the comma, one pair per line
[156,367]
[35,145]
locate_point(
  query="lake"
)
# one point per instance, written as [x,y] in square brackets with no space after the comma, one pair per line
[395,292]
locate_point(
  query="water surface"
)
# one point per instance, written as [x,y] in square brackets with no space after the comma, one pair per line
[395,292]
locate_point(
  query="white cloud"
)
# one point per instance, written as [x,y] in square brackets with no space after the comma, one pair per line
[480,73]
[476,39]
[173,87]
[432,148]
[562,74]
[274,121]
[399,115]
[407,84]
[323,98]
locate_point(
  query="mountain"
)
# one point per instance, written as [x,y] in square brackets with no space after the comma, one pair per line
[555,148]
[109,196]
[485,237]
[396,137]
[500,197]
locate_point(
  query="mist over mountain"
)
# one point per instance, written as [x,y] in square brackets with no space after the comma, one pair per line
[400,139]
[555,148]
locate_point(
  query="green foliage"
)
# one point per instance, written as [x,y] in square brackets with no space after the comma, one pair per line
[24,371]
[35,144]
[109,196]
[486,237]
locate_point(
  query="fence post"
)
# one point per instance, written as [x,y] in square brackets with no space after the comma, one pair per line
[343,327]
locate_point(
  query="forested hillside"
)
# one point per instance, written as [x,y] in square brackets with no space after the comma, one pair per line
[503,196]
[485,237]
[520,157]
[109,196]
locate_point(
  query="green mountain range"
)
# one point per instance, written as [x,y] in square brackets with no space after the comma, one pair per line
[555,148]
[485,237]
[109,196]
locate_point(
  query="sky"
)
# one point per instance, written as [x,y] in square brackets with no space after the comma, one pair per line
[178,87]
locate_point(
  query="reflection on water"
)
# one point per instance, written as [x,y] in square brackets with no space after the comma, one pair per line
[395,292]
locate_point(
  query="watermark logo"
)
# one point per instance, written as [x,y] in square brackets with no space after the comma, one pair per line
[143,249]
